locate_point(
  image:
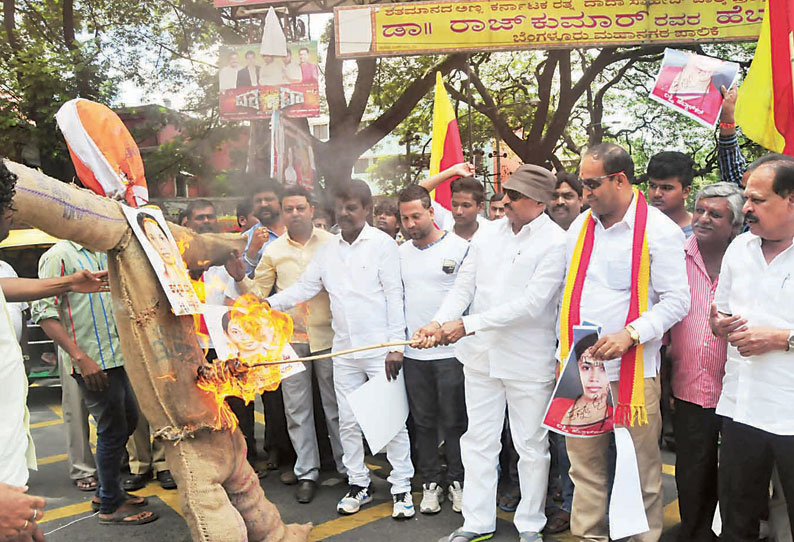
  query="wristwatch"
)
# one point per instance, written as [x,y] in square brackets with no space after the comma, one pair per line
[790,346]
[635,335]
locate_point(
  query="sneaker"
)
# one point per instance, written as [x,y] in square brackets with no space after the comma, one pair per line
[403,506]
[356,497]
[466,536]
[432,497]
[456,496]
[527,536]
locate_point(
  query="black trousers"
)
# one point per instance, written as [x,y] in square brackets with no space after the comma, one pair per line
[277,444]
[437,400]
[746,460]
[245,415]
[697,432]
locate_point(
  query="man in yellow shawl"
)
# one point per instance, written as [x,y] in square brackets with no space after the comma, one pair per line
[626,272]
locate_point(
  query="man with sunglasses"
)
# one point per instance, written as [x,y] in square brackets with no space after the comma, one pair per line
[510,282]
[606,173]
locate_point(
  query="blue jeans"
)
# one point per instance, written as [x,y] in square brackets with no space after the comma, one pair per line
[116,415]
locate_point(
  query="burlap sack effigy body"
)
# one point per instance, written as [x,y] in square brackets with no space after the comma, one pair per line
[220,492]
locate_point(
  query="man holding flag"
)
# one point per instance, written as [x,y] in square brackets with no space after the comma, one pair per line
[626,272]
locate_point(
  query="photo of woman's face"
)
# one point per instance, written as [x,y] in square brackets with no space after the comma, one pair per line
[595,381]
[159,241]
[247,344]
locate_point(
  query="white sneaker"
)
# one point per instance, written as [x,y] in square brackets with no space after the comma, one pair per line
[456,496]
[356,497]
[432,497]
[403,506]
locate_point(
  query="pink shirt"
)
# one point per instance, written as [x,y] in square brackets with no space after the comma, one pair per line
[698,356]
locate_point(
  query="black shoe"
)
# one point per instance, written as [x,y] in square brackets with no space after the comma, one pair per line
[305,491]
[166,480]
[136,481]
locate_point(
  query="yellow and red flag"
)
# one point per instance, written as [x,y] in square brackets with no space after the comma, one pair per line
[765,106]
[446,150]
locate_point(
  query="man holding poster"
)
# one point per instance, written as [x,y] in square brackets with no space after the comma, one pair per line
[510,282]
[626,272]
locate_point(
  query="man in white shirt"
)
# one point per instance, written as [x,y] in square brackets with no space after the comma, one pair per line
[752,310]
[227,76]
[467,201]
[510,281]
[606,173]
[360,270]
[429,263]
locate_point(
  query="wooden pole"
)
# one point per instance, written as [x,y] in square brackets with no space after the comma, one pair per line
[332,354]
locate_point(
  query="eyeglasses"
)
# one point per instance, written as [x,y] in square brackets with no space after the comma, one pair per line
[514,195]
[594,182]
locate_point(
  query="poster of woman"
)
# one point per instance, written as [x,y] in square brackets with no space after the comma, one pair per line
[162,251]
[581,405]
[690,84]
[235,334]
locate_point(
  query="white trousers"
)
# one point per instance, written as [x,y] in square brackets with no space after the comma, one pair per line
[486,398]
[299,411]
[349,375]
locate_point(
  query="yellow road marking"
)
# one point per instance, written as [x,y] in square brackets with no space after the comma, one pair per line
[671,515]
[348,523]
[668,469]
[66,511]
[56,409]
[51,459]
[48,423]
[153,489]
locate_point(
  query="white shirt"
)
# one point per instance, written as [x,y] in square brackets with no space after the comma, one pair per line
[216,281]
[513,284]
[13,423]
[445,221]
[759,390]
[607,287]
[428,274]
[227,78]
[363,282]
[15,310]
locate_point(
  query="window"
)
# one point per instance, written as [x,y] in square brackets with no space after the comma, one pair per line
[320,131]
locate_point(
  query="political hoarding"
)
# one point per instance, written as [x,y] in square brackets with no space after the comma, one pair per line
[458,26]
[253,86]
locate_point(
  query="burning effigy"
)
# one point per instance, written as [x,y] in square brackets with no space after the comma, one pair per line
[220,493]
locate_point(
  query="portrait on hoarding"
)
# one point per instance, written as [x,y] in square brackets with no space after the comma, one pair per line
[252,85]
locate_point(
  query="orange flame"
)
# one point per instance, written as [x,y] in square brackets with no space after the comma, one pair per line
[259,335]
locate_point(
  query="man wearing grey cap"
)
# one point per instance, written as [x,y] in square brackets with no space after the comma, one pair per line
[511,280]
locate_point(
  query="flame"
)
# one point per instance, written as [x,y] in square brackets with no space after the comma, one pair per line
[264,333]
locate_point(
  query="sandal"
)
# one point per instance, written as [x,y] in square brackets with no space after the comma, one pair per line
[128,515]
[559,522]
[89,483]
[130,499]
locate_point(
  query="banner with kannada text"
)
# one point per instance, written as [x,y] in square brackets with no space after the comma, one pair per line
[458,26]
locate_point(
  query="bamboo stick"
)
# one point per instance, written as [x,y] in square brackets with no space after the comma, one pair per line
[332,354]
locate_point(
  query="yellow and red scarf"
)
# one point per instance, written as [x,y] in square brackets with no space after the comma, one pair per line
[630,409]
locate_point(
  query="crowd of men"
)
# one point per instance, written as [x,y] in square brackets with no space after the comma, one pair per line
[487,305]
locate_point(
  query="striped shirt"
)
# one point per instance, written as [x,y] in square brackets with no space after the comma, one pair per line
[87,318]
[730,159]
[698,356]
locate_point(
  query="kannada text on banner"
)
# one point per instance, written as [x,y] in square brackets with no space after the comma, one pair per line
[446,26]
